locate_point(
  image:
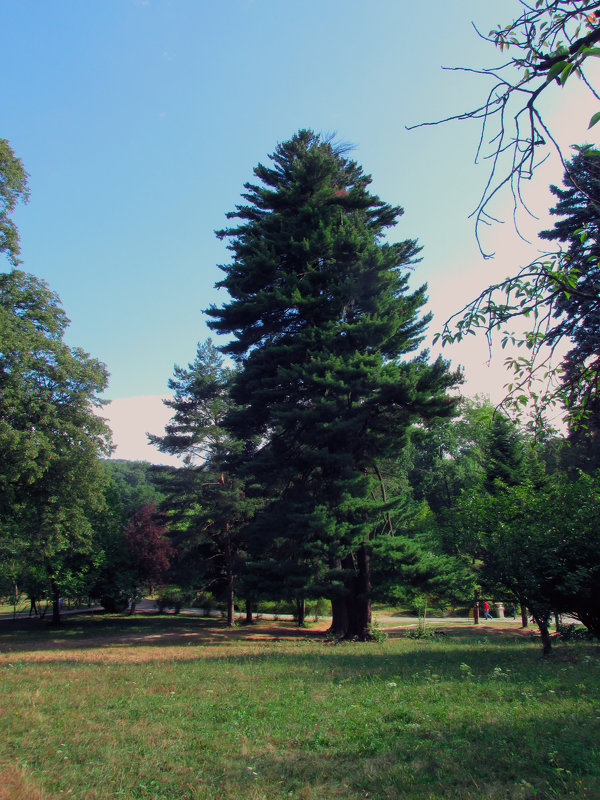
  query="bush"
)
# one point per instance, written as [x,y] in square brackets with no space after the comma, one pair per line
[570,632]
[169,597]
[204,601]
[114,604]
[318,608]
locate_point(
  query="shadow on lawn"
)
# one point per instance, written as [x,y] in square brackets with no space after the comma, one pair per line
[102,630]
[96,636]
[531,757]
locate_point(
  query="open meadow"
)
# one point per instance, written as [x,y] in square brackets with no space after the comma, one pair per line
[180,708]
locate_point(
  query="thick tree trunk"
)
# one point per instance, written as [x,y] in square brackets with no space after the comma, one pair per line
[339,617]
[351,613]
[476,607]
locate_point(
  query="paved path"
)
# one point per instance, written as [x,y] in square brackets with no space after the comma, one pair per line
[388,622]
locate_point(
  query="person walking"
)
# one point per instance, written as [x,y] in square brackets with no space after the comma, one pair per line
[486,610]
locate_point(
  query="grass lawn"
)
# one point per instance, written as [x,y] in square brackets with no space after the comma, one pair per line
[179,708]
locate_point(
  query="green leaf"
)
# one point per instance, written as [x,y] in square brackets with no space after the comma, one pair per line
[565,73]
[593,121]
[556,69]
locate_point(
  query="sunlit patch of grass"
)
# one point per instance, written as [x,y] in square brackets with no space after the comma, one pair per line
[15,785]
[115,709]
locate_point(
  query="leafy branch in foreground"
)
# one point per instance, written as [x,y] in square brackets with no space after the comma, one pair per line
[533,293]
[550,41]
[560,294]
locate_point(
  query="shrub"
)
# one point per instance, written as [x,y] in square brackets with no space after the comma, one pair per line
[169,597]
[570,632]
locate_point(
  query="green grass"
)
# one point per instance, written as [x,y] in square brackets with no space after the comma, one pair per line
[9,608]
[182,709]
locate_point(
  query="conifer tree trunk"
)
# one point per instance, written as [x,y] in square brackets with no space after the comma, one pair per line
[300,611]
[229,588]
[363,594]
[351,613]
[339,610]
[230,602]
[339,617]
[476,607]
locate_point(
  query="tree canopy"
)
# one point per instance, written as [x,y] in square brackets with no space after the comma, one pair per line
[323,322]
[50,434]
[13,189]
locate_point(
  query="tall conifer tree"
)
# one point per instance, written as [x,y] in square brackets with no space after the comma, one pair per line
[323,323]
[205,498]
[576,311]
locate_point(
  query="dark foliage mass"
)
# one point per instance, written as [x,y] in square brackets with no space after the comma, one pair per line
[330,459]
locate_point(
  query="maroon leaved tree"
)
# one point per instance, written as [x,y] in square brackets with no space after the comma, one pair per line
[149,550]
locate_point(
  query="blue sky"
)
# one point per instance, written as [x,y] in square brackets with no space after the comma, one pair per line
[140,120]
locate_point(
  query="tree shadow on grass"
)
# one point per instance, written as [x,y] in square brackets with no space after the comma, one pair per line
[532,757]
[96,638]
[101,631]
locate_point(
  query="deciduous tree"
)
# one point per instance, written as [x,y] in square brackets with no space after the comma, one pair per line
[13,189]
[51,437]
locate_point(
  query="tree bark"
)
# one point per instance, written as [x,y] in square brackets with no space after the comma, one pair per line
[524,620]
[545,634]
[339,617]
[339,609]
[55,602]
[542,620]
[351,612]
[364,616]
[249,619]
[300,611]
[229,587]
[476,607]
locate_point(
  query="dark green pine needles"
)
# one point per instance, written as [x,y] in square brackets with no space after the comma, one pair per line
[323,322]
